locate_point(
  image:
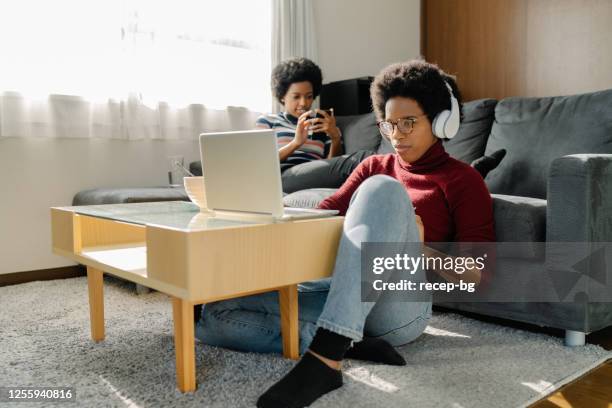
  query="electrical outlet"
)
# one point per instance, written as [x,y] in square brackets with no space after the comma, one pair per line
[176,170]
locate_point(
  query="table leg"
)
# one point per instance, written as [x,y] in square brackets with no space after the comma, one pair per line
[96,303]
[288,299]
[184,344]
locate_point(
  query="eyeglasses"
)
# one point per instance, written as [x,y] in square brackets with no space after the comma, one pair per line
[405,125]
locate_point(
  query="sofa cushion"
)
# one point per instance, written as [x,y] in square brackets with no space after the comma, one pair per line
[129,195]
[359,132]
[486,163]
[308,198]
[535,131]
[470,141]
[521,220]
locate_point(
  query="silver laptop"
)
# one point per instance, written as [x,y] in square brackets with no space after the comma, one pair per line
[242,176]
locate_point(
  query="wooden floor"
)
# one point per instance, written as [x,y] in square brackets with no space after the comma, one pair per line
[593,390]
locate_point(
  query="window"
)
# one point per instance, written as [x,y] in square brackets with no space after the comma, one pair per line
[210,52]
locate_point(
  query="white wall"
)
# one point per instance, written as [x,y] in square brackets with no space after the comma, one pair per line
[355,38]
[36,174]
[359,37]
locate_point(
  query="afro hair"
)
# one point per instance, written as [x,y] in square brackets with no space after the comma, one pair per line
[295,70]
[416,79]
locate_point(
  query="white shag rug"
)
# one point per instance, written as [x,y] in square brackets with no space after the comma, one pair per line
[458,362]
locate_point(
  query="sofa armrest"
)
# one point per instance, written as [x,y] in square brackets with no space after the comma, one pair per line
[580,199]
[520,223]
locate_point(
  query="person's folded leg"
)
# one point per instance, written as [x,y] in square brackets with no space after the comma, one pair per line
[344,314]
[398,323]
[252,323]
[381,212]
[390,325]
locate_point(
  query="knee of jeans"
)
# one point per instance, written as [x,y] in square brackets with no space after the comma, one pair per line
[381,181]
[387,188]
[408,332]
[209,318]
[211,312]
[215,330]
[215,308]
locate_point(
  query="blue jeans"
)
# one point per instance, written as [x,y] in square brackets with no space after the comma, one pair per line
[380,211]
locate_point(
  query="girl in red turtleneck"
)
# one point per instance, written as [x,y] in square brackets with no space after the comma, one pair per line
[449,196]
[417,194]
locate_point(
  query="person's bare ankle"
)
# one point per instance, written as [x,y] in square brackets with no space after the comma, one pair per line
[336,365]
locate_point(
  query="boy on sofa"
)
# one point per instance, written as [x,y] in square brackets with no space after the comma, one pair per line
[417,194]
[301,137]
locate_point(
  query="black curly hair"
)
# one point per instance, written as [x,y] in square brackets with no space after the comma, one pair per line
[415,79]
[295,70]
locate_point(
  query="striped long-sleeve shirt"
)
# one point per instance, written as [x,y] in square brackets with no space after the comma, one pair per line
[316,147]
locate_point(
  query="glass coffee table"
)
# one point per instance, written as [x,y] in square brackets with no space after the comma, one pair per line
[195,258]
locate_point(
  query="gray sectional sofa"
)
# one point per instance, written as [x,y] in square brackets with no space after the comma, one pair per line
[553,185]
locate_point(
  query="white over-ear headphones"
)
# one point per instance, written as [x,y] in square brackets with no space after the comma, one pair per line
[446,123]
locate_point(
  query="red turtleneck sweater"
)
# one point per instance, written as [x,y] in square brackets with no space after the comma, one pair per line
[450,196]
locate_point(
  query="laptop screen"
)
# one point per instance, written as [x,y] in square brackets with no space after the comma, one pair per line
[242,172]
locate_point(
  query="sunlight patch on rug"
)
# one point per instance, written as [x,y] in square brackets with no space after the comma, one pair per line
[364,376]
[439,332]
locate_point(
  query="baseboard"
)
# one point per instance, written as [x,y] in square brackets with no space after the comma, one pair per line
[42,274]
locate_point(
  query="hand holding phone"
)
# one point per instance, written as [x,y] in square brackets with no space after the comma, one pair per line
[323,120]
[318,113]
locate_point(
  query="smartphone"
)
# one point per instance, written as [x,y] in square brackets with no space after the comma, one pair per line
[315,114]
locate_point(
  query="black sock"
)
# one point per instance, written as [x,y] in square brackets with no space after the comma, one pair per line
[376,350]
[329,344]
[305,383]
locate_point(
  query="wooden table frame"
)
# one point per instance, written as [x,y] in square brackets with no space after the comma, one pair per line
[197,267]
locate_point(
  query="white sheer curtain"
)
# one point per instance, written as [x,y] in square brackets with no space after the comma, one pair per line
[133,69]
[293,31]
[76,117]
